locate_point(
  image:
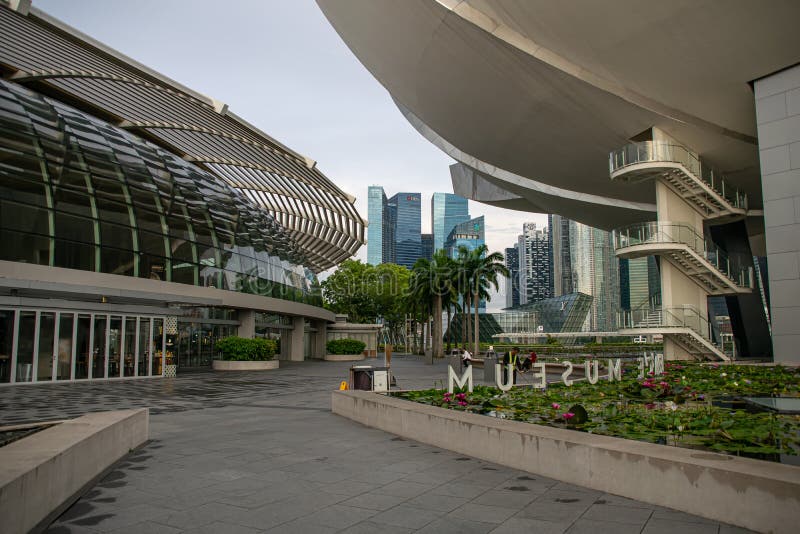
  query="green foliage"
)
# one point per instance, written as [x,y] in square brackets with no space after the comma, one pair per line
[345,346]
[675,408]
[243,349]
[367,292]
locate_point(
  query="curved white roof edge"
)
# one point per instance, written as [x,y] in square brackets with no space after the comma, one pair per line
[510,177]
[471,14]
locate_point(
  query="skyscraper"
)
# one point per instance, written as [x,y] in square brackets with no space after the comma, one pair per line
[407,228]
[512,281]
[470,234]
[376,209]
[563,283]
[447,210]
[595,272]
[427,246]
[639,282]
[535,264]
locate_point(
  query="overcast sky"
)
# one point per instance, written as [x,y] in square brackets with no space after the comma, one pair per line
[282,67]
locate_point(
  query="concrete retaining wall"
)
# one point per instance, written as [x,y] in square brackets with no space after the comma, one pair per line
[41,475]
[754,494]
[226,365]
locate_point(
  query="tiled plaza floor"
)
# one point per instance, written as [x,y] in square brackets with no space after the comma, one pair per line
[245,453]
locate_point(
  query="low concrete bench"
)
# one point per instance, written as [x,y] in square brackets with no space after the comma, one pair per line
[43,474]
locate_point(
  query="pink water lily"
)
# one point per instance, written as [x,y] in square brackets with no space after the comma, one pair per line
[556,406]
[462,403]
[568,415]
[461,396]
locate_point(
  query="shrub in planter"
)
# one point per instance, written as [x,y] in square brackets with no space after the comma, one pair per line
[345,346]
[241,349]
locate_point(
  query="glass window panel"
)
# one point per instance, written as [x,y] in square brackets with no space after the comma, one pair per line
[114,346]
[64,348]
[152,267]
[116,235]
[72,202]
[99,347]
[116,261]
[27,326]
[82,348]
[158,348]
[113,211]
[183,250]
[184,273]
[129,345]
[25,218]
[152,243]
[47,327]
[143,354]
[7,324]
[74,228]
[72,255]
[25,248]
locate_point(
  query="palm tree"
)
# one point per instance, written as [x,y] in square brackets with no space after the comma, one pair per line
[481,271]
[431,285]
[420,292]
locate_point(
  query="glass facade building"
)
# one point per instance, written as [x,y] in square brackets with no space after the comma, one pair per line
[141,221]
[376,209]
[470,234]
[447,210]
[407,215]
[78,193]
[427,246]
[535,264]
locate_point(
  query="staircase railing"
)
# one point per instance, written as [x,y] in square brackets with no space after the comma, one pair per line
[735,268]
[663,151]
[685,316]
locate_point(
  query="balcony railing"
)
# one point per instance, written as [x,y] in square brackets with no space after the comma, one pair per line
[737,269]
[685,316]
[663,151]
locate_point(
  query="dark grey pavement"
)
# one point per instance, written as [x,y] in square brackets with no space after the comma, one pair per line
[261,452]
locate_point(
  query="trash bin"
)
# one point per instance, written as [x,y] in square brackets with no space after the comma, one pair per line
[369,378]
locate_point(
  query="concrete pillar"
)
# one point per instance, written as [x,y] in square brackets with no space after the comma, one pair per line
[778,118]
[319,350]
[247,324]
[297,339]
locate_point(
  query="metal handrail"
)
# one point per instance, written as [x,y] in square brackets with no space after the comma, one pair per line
[685,316]
[736,269]
[663,151]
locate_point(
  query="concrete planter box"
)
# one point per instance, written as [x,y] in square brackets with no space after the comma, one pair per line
[758,495]
[344,357]
[224,365]
[43,474]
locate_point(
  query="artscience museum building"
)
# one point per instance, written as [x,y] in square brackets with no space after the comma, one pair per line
[676,125]
[141,221]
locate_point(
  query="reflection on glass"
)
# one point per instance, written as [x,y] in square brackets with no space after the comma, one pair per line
[64,348]
[27,329]
[158,349]
[6,343]
[99,348]
[82,348]
[129,345]
[144,347]
[114,347]
[47,326]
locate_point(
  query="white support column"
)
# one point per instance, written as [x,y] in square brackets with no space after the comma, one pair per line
[247,324]
[297,340]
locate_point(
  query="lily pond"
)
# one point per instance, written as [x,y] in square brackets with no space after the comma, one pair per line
[692,405]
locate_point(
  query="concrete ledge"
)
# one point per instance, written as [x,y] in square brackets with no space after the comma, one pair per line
[344,357]
[754,494]
[41,475]
[224,365]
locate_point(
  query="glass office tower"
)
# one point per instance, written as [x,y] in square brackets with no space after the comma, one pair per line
[447,210]
[407,228]
[376,208]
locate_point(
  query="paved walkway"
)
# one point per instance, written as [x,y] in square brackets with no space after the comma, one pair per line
[246,453]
